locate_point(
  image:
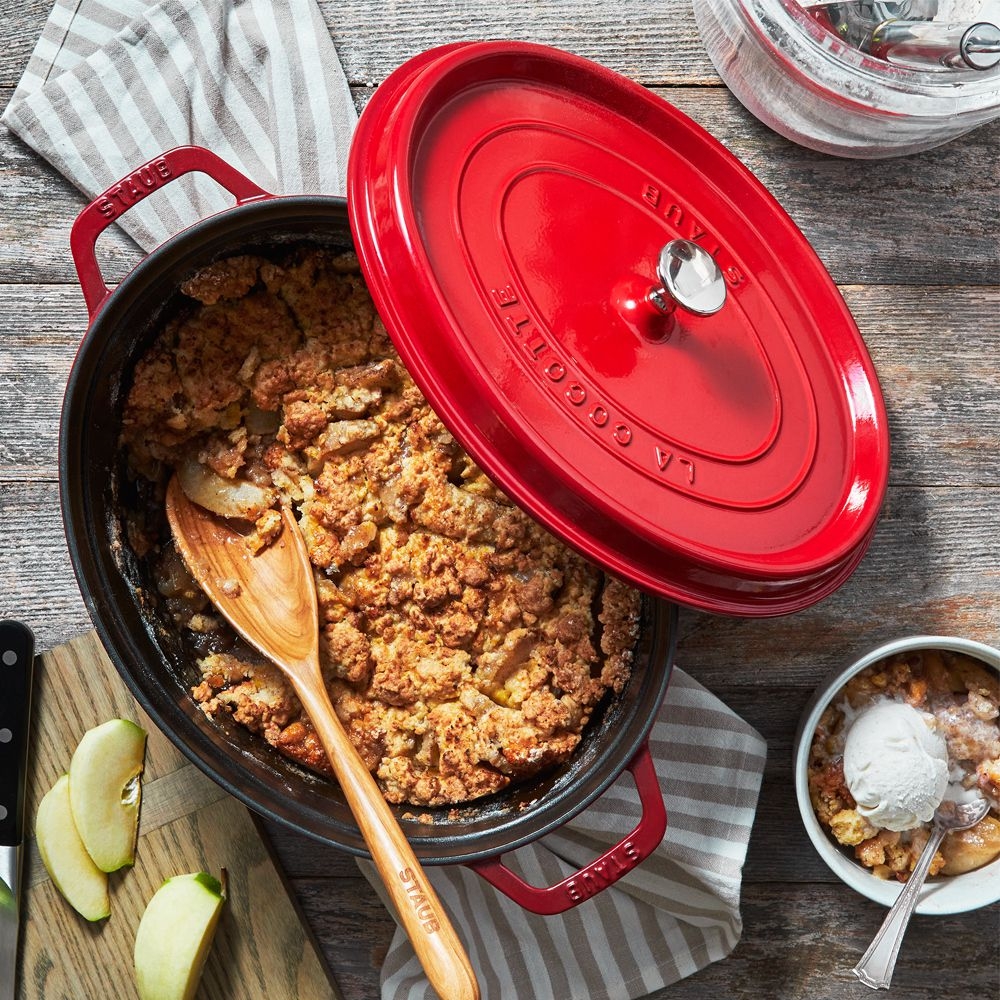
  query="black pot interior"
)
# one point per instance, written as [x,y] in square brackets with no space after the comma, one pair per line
[146,648]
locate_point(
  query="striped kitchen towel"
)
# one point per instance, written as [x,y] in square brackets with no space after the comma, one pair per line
[674,914]
[114,84]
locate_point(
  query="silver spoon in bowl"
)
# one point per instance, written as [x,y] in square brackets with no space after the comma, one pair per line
[877,963]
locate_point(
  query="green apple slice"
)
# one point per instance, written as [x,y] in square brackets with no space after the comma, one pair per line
[105,791]
[175,935]
[70,867]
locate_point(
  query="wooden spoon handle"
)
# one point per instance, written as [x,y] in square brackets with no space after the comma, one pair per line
[438,947]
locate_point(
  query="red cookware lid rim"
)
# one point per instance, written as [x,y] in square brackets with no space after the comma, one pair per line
[620,324]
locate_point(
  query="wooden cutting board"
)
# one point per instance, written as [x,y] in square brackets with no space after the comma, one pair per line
[187,823]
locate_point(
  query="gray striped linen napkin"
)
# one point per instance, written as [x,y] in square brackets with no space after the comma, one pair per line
[111,85]
[114,83]
[671,916]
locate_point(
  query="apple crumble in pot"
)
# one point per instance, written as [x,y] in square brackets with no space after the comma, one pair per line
[911,729]
[464,647]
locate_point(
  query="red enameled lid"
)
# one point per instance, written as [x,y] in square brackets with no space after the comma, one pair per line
[704,420]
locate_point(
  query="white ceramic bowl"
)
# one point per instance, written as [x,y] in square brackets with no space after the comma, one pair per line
[946,894]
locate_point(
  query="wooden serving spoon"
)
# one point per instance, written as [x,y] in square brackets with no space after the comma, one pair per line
[270,599]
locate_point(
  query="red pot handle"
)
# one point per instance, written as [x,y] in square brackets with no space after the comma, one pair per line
[615,862]
[106,208]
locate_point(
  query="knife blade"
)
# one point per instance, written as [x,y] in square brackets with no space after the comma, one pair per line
[17,659]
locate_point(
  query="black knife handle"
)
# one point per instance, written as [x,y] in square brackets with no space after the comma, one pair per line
[17,661]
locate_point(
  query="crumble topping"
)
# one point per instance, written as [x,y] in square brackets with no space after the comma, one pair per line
[963,696]
[463,646]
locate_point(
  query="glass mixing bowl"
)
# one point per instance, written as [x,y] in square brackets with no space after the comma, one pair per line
[801,79]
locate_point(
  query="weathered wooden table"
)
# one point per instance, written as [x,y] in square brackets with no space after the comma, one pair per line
[913,243]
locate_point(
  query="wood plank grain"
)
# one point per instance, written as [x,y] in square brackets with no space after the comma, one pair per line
[355,933]
[893,232]
[37,585]
[653,44]
[926,234]
[261,948]
[795,943]
[803,944]
[932,568]
[943,402]
[21,32]
[39,206]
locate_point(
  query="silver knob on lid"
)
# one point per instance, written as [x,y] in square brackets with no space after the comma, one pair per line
[691,279]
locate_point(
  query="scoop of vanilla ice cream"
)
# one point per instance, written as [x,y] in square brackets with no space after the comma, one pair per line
[895,764]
